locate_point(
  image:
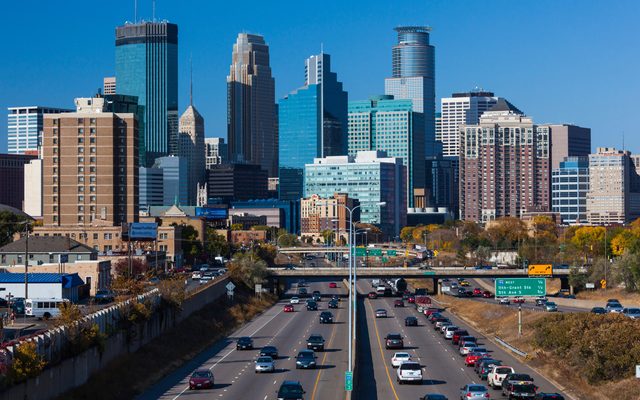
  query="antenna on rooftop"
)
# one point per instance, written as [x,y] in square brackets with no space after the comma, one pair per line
[153,11]
[191,83]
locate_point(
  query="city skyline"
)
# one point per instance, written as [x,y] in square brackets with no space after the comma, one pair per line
[543,89]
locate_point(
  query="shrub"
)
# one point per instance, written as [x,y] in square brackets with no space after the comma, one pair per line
[27,363]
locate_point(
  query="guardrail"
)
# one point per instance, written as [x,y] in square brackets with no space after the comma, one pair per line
[510,347]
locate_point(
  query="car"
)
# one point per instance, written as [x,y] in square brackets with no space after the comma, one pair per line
[411,299]
[484,366]
[312,306]
[290,390]
[388,292]
[443,327]
[372,295]
[430,310]
[398,358]
[295,300]
[549,396]
[332,304]
[464,283]
[288,308]
[487,294]
[515,378]
[519,390]
[598,310]
[458,334]
[332,285]
[504,301]
[289,267]
[449,331]
[336,297]
[442,321]
[473,356]
[632,312]
[474,392]
[306,359]
[316,292]
[315,342]
[411,321]
[550,306]
[393,341]
[326,317]
[518,300]
[104,296]
[265,364]
[270,351]
[201,379]
[541,301]
[614,307]
[381,313]
[196,275]
[464,340]
[244,343]
[398,303]
[477,291]
[434,396]
[409,371]
[302,291]
[435,317]
[497,375]
[467,348]
[316,297]
[613,301]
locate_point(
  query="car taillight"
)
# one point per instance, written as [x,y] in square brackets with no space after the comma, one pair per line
[469,394]
[487,395]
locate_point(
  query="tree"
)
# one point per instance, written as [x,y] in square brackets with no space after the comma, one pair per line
[138,267]
[267,252]
[236,227]
[505,233]
[327,236]
[27,363]
[191,245]
[626,270]
[483,254]
[589,240]
[10,224]
[248,268]
[626,240]
[217,245]
[406,233]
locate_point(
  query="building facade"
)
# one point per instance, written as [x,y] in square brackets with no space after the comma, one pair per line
[237,182]
[504,165]
[147,67]
[568,141]
[175,180]
[215,152]
[32,204]
[192,149]
[371,178]
[151,187]
[569,189]
[25,125]
[251,108]
[279,213]
[389,125]
[12,167]
[109,85]
[319,214]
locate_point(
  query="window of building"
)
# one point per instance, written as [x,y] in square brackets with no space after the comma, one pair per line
[95,236]
[80,131]
[80,199]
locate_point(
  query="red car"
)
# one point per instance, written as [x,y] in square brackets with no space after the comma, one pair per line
[333,285]
[411,299]
[373,295]
[471,358]
[477,292]
[398,303]
[458,334]
[288,308]
[487,294]
[518,300]
[201,379]
[431,310]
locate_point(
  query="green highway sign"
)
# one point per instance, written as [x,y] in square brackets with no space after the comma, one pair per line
[392,253]
[385,259]
[429,273]
[375,252]
[525,287]
[348,381]
[361,251]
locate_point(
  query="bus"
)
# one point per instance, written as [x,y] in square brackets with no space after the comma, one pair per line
[43,308]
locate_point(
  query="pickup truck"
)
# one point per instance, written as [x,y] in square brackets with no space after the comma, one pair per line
[497,375]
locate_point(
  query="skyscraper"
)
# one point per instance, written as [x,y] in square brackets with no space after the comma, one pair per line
[109,85]
[215,151]
[413,77]
[568,141]
[147,67]
[569,189]
[251,108]
[25,126]
[192,148]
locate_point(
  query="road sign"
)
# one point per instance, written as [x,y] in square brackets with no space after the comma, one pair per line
[540,270]
[435,253]
[375,252]
[361,251]
[385,259]
[230,286]
[603,284]
[638,371]
[524,287]
[590,285]
[258,287]
[429,273]
[392,253]
[143,230]
[348,381]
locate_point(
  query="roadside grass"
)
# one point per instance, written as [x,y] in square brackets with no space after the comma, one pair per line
[626,298]
[130,374]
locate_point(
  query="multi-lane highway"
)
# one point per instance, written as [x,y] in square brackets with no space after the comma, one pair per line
[233,369]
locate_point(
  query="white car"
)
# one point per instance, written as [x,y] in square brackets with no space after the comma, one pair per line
[409,371]
[504,300]
[399,358]
[467,348]
[444,327]
[497,374]
[196,275]
[294,300]
[449,331]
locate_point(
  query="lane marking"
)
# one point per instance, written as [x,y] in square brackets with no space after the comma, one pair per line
[375,325]
[324,357]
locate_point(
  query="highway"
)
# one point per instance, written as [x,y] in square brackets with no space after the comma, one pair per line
[234,370]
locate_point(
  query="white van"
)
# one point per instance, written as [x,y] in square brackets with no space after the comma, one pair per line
[43,308]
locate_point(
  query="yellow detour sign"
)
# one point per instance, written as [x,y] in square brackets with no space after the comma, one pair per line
[603,284]
[540,270]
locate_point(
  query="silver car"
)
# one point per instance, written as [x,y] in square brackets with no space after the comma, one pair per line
[381,313]
[474,392]
[550,306]
[467,348]
[265,364]
[633,313]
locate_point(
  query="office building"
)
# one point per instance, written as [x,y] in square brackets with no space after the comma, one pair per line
[192,150]
[237,182]
[175,180]
[504,165]
[370,177]
[382,123]
[569,189]
[319,214]
[313,122]
[32,204]
[568,141]
[109,85]
[151,187]
[279,213]
[24,130]
[441,175]
[147,67]
[614,195]
[413,78]
[251,107]
[12,175]
[215,151]
[90,171]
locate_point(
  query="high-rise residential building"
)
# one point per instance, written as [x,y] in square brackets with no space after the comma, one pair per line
[90,171]
[413,78]
[32,204]
[569,188]
[313,122]
[109,85]
[504,165]
[319,214]
[382,123]
[614,195]
[215,151]
[192,149]
[457,110]
[12,167]
[24,130]
[147,67]
[370,177]
[237,182]
[441,174]
[175,180]
[151,187]
[251,108]
[568,141]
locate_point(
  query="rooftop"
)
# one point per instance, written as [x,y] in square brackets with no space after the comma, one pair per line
[47,244]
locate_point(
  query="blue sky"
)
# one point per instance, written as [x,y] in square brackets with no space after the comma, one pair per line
[574,61]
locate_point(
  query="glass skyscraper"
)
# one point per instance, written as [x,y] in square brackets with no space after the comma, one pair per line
[147,67]
[413,67]
[24,128]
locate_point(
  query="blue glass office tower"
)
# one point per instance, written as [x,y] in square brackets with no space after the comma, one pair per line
[147,67]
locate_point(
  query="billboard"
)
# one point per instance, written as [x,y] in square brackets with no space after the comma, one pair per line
[143,231]
[540,270]
[212,213]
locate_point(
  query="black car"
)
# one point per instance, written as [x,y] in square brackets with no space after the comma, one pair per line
[326,317]
[104,296]
[306,359]
[394,341]
[316,297]
[434,396]
[302,291]
[270,351]
[549,396]
[335,297]
[333,304]
[519,390]
[290,390]
[411,321]
[312,306]
[244,343]
[315,342]
[598,310]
